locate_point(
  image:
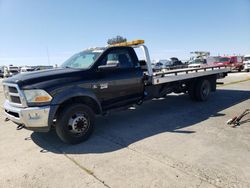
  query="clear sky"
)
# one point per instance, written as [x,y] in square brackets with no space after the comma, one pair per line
[30,28]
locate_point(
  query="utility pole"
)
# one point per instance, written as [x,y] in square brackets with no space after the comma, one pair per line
[48,55]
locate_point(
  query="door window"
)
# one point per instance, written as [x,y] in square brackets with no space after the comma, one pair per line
[120,57]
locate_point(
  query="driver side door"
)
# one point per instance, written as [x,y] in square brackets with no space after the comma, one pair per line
[122,84]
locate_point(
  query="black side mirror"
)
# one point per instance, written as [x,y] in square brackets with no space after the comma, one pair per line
[112,66]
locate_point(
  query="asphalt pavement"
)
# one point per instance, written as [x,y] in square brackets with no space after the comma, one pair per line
[171,142]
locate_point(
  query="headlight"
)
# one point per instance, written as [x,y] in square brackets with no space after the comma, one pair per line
[37,96]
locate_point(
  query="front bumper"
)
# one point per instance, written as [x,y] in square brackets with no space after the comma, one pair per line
[31,117]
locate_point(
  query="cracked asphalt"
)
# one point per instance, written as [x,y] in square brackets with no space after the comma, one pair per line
[171,142]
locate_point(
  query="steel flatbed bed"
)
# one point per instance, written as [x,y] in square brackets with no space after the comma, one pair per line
[166,76]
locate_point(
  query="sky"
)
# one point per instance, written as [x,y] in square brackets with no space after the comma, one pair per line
[45,32]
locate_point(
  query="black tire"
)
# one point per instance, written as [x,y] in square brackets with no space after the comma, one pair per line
[202,90]
[247,70]
[239,70]
[191,91]
[83,123]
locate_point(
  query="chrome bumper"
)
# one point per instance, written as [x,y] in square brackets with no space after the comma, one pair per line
[30,117]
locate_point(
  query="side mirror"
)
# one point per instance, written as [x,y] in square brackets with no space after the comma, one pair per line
[108,67]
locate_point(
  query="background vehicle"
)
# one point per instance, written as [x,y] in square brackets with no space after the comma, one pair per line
[196,63]
[1,71]
[246,62]
[177,64]
[162,64]
[198,59]
[26,69]
[211,60]
[43,67]
[173,63]
[10,71]
[234,62]
[94,82]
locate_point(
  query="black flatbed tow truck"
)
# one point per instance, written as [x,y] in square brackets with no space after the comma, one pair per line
[94,82]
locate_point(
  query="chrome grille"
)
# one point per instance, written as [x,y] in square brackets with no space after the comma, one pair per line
[14,95]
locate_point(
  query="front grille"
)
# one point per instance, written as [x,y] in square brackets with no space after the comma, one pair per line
[13,90]
[15,99]
[13,94]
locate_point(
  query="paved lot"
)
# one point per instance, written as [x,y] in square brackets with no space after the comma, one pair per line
[173,142]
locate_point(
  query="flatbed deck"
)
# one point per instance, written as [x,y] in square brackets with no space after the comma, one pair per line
[187,73]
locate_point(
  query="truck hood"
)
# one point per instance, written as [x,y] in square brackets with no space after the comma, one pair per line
[44,78]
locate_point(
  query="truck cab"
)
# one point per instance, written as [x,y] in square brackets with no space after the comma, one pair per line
[102,78]
[234,62]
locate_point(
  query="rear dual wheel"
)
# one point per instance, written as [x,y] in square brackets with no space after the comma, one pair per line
[200,90]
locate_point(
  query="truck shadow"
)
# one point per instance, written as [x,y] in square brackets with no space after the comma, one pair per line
[120,129]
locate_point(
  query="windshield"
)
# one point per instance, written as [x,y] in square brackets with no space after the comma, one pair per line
[82,60]
[246,58]
[224,59]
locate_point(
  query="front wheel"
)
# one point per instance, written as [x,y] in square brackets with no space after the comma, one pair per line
[75,123]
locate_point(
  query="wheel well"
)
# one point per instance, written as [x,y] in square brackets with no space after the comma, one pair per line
[211,79]
[84,100]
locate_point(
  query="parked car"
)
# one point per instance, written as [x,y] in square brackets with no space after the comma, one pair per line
[234,62]
[26,69]
[246,62]
[162,64]
[173,63]
[176,64]
[43,67]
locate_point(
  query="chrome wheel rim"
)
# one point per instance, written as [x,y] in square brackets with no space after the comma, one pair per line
[78,123]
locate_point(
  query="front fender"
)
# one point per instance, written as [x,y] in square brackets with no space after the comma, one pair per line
[69,93]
